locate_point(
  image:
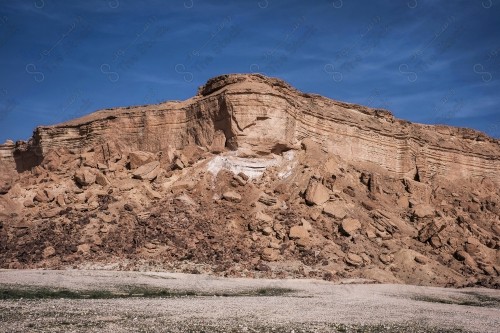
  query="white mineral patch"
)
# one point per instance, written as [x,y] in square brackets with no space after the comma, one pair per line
[252,167]
[289,164]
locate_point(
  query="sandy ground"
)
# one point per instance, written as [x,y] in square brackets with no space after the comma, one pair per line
[313,306]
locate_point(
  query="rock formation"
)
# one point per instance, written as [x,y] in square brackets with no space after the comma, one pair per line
[253,178]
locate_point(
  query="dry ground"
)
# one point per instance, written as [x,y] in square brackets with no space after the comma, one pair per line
[111,301]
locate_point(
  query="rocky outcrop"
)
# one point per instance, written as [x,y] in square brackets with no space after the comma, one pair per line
[254,178]
[265,114]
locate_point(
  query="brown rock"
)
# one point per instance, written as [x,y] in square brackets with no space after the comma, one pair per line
[274,245]
[333,209]
[270,254]
[178,164]
[423,210]
[183,159]
[102,166]
[350,226]
[386,259]
[232,196]
[5,187]
[316,193]
[461,255]
[488,269]
[329,181]
[240,181]
[315,214]
[267,200]
[84,177]
[41,196]
[466,259]
[48,252]
[267,231]
[140,158]
[303,242]
[297,232]
[436,241]
[60,200]
[147,171]
[262,267]
[374,184]
[331,166]
[88,159]
[473,246]
[312,147]
[353,259]
[306,224]
[368,205]
[50,195]
[430,230]
[83,248]
[186,200]
[260,216]
[370,233]
[49,213]
[243,176]
[28,203]
[101,179]
[421,259]
[403,202]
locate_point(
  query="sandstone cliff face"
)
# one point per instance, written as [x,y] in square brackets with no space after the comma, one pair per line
[261,113]
[253,178]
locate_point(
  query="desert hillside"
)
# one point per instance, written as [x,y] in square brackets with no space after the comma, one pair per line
[254,178]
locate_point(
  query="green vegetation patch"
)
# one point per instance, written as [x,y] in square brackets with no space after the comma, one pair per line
[468,299]
[7,293]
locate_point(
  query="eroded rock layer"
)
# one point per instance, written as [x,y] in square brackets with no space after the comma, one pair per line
[253,178]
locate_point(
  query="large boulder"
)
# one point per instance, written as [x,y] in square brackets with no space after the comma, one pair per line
[353,259]
[88,159]
[423,210]
[430,230]
[334,210]
[316,193]
[147,171]
[101,179]
[41,196]
[298,232]
[350,226]
[84,177]
[180,162]
[140,158]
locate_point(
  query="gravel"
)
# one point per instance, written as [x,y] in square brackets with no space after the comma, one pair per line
[312,306]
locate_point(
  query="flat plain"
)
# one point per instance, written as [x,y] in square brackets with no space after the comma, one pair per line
[119,301]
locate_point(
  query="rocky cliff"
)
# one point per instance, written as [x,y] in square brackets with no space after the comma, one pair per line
[259,112]
[303,177]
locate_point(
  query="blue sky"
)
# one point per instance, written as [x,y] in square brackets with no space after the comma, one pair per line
[426,61]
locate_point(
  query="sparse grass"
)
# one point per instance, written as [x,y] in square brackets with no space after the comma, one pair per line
[468,299]
[9,293]
[391,328]
[59,319]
